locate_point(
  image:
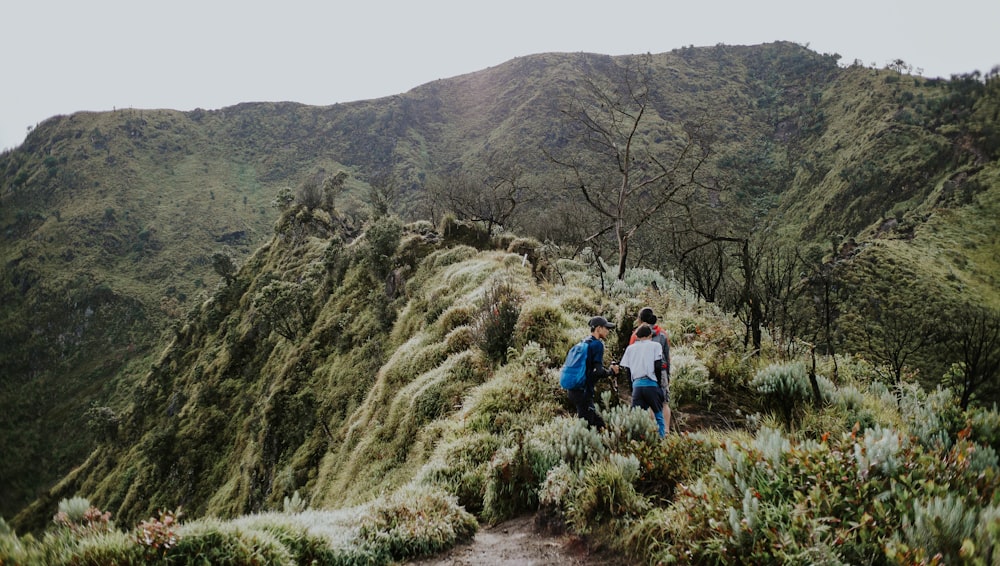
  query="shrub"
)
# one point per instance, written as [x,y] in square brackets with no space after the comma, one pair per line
[606,494]
[627,424]
[210,541]
[941,528]
[985,426]
[933,418]
[456,316]
[580,444]
[511,485]
[689,378]
[383,238]
[879,450]
[674,460]
[81,518]
[158,535]
[542,322]
[785,388]
[461,339]
[513,398]
[636,281]
[497,317]
[416,521]
[554,494]
[309,194]
[283,199]
[284,306]
[459,466]
[112,547]
[315,537]
[988,534]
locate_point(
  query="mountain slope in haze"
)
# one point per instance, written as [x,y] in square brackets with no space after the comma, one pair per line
[110,220]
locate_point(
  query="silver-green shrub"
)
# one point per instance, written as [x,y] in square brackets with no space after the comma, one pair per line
[878,450]
[849,398]
[784,388]
[689,378]
[559,483]
[581,444]
[988,534]
[75,508]
[986,426]
[941,525]
[922,413]
[625,424]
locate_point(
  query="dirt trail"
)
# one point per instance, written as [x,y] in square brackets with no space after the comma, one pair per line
[518,542]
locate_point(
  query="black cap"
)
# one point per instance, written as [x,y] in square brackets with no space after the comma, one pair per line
[600,321]
[646,315]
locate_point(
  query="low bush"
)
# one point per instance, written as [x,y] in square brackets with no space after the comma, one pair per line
[211,541]
[605,495]
[542,323]
[459,466]
[690,382]
[498,314]
[416,521]
[677,459]
[784,388]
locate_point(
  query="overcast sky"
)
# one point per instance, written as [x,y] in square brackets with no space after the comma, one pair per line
[62,56]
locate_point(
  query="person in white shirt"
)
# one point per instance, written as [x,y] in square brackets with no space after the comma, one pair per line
[644,359]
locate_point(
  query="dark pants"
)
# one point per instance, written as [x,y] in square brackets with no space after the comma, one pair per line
[585,409]
[651,397]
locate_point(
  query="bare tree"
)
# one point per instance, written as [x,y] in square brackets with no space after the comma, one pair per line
[621,175]
[820,302]
[780,277]
[974,336]
[703,263]
[894,332]
[491,199]
[383,192]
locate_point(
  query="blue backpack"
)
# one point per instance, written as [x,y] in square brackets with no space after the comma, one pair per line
[574,370]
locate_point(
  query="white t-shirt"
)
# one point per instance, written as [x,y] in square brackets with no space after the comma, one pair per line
[640,357]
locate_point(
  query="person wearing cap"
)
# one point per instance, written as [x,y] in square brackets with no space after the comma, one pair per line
[644,360]
[647,318]
[583,398]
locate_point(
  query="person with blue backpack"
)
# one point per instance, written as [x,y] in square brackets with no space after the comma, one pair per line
[584,367]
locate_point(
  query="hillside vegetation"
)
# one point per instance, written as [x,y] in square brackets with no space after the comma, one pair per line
[123,232]
[397,416]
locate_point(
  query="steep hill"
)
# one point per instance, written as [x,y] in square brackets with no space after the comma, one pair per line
[111,220]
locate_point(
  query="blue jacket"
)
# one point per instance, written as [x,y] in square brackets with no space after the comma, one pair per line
[595,364]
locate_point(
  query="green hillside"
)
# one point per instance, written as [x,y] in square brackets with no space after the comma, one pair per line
[387,420]
[111,221]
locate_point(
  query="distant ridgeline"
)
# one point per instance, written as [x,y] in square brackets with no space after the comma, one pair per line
[216,309]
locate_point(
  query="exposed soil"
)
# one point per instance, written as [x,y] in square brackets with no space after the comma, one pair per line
[519,542]
[523,542]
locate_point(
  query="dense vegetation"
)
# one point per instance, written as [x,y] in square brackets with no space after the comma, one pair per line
[802,213]
[443,396]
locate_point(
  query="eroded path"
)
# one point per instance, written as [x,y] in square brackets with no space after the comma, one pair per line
[518,542]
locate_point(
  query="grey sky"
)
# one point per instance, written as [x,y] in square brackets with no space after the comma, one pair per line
[62,56]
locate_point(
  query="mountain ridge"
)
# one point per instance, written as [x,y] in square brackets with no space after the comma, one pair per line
[118,214]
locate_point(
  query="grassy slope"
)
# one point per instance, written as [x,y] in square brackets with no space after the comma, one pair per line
[141,268]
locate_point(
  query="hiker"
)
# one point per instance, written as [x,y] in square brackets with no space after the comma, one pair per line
[583,396]
[644,360]
[647,318]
